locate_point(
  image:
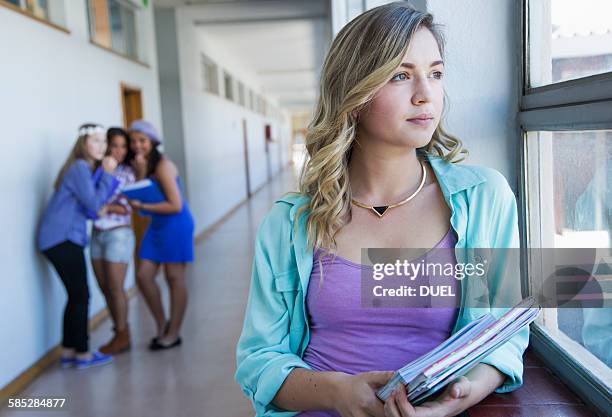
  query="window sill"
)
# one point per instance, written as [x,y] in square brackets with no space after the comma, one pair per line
[129,58]
[542,394]
[578,379]
[25,13]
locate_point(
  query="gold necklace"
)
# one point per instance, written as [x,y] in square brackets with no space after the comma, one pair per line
[381,210]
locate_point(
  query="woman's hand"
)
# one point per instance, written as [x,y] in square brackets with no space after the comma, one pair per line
[136,204]
[139,163]
[357,394]
[103,211]
[109,164]
[448,404]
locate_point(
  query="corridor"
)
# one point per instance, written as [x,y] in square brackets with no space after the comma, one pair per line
[195,379]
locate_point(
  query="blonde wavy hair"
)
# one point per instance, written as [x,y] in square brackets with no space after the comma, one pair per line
[361,60]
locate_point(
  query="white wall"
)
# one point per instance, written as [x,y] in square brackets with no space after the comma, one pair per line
[50,83]
[481,78]
[212,129]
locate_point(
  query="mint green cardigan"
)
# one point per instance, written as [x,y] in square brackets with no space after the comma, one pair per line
[275,331]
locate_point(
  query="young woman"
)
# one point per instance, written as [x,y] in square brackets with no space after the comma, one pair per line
[168,239]
[112,243]
[381,174]
[82,187]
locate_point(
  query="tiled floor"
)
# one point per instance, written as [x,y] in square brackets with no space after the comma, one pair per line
[196,379]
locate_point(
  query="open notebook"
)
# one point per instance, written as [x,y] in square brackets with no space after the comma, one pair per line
[460,352]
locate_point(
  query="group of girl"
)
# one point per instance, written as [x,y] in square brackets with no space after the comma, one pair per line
[89,187]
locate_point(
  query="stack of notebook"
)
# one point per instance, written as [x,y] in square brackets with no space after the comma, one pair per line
[459,353]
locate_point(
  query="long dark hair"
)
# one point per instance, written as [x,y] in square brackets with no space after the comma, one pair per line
[117,131]
[154,157]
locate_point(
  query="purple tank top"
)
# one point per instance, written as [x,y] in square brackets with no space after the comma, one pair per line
[348,338]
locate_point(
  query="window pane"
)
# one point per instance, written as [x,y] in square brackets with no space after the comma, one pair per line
[112,24]
[129,23]
[38,8]
[569,205]
[240,94]
[99,22]
[229,87]
[568,40]
[116,24]
[209,75]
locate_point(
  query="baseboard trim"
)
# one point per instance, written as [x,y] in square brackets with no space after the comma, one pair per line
[206,232]
[24,379]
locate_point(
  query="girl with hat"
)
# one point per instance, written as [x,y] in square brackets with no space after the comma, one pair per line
[168,240]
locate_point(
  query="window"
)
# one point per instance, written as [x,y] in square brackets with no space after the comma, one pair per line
[566,192]
[241,94]
[570,204]
[38,8]
[260,105]
[112,24]
[210,77]
[50,11]
[568,41]
[228,83]
[251,100]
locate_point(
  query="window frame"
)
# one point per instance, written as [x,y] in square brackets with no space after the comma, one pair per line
[228,87]
[136,10]
[22,10]
[210,75]
[240,87]
[578,104]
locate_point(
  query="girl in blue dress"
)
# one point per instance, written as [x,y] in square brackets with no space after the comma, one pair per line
[168,239]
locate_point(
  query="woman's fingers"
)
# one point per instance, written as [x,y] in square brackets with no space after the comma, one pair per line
[379,378]
[461,388]
[406,409]
[390,407]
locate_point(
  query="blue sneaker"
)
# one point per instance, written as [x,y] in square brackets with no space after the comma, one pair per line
[97,359]
[67,362]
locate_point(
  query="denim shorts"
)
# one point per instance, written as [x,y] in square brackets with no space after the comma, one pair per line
[114,245]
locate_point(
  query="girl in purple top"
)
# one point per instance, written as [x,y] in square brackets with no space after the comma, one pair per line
[112,243]
[83,186]
[371,186]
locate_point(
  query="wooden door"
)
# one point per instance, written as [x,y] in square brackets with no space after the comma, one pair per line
[131,101]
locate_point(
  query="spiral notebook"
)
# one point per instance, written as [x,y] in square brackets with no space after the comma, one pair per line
[459,353]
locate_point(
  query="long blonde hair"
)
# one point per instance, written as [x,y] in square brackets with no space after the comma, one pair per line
[361,60]
[79,151]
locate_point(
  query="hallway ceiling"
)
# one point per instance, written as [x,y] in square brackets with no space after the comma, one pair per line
[281,42]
